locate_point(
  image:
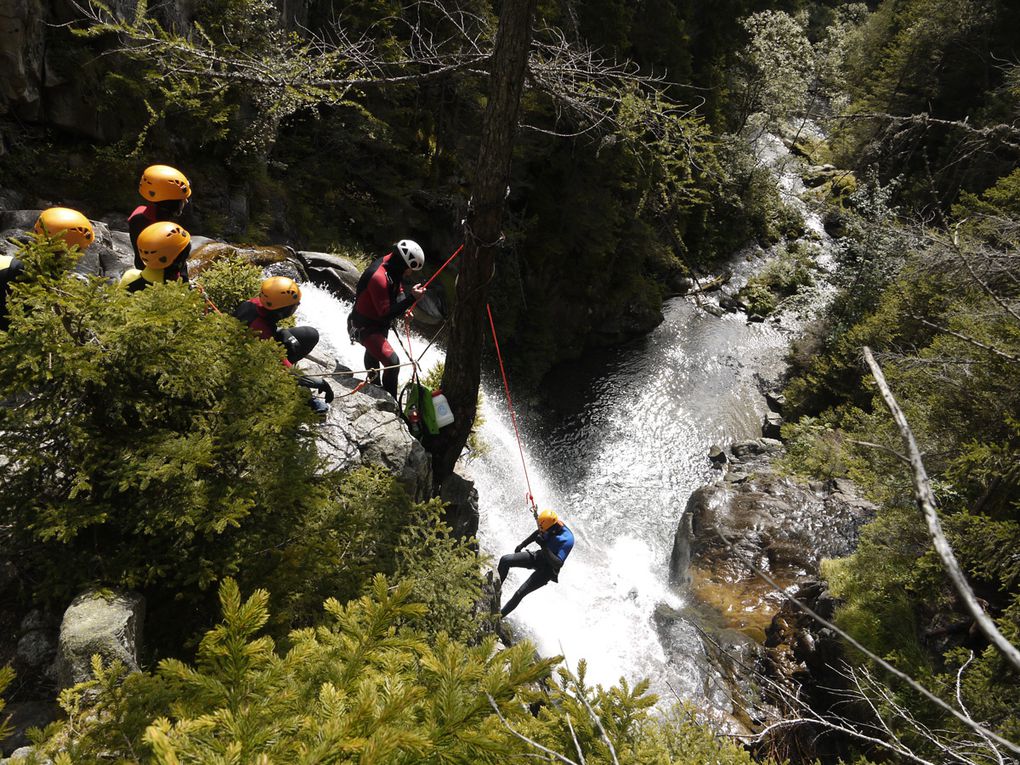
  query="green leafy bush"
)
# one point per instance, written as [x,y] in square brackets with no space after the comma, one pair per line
[147,444]
[364,688]
[228,283]
[783,275]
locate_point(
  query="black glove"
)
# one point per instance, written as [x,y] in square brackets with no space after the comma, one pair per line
[518,548]
[320,385]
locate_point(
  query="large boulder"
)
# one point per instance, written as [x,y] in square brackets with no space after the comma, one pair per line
[210,251]
[754,517]
[364,427]
[98,622]
[333,272]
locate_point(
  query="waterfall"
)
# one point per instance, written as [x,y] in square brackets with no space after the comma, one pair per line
[618,460]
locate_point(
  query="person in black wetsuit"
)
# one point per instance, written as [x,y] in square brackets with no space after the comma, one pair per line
[166,192]
[555,540]
[380,298]
[11,269]
[277,300]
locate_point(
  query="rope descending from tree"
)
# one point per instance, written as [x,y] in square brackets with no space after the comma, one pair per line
[513,417]
[432,279]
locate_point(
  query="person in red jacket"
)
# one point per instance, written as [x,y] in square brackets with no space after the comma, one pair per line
[277,300]
[380,298]
[166,192]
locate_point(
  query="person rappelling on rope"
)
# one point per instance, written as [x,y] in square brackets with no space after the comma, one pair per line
[166,192]
[555,541]
[160,247]
[380,298]
[278,299]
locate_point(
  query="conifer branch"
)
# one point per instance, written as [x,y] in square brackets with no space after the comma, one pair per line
[926,502]
[524,738]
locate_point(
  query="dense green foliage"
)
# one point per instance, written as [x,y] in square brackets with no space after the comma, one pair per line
[936,308]
[229,282]
[363,687]
[147,442]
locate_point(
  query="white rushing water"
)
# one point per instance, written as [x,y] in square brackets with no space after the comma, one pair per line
[617,451]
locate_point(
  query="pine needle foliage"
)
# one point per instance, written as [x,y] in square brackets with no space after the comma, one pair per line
[147,443]
[362,687]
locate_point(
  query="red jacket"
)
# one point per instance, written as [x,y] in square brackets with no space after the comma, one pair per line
[259,320]
[380,293]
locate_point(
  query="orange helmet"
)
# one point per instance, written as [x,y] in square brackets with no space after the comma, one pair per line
[547,519]
[279,292]
[162,182]
[161,243]
[74,226]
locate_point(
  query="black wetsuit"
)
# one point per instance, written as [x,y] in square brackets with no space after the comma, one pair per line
[9,272]
[556,544]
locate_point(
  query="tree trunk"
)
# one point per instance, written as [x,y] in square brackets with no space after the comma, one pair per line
[462,374]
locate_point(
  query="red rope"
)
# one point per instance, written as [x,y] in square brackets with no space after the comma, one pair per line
[510,404]
[407,314]
[437,273]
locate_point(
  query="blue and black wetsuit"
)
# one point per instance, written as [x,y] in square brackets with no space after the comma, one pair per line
[556,544]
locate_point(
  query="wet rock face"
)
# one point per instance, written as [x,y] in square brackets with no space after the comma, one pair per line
[754,517]
[802,659]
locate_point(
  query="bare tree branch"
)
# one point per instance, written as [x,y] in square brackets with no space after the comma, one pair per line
[524,738]
[878,660]
[926,503]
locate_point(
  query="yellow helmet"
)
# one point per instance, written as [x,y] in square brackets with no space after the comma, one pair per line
[161,243]
[72,224]
[162,182]
[279,292]
[547,519]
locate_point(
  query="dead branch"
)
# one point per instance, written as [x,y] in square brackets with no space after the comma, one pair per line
[878,660]
[926,503]
[967,339]
[524,738]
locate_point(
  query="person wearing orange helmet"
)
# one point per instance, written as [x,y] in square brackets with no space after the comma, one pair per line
[277,300]
[555,542]
[166,192]
[67,224]
[63,223]
[160,246]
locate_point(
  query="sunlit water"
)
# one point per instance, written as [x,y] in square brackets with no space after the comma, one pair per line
[617,446]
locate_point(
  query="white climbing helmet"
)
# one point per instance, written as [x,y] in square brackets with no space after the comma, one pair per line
[412,254]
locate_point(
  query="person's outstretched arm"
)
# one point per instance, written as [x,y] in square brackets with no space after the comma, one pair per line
[528,541]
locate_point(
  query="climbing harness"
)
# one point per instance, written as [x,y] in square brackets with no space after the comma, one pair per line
[513,417]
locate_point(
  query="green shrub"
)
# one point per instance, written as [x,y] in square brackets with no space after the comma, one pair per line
[782,276]
[445,575]
[147,444]
[360,688]
[336,548]
[228,283]
[364,688]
